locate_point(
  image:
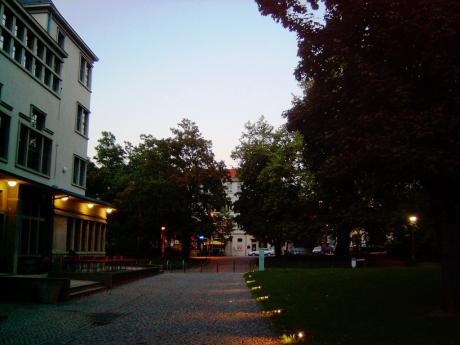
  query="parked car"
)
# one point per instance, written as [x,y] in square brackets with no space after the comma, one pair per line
[267,252]
[297,251]
[317,250]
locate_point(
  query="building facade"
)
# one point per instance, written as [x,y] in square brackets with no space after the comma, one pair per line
[239,243]
[45,93]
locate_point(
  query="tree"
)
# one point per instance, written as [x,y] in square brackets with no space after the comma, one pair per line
[382,100]
[173,182]
[277,189]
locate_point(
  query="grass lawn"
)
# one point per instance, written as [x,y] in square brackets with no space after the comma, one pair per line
[362,306]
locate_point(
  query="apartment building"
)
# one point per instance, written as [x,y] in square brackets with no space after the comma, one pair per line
[45,93]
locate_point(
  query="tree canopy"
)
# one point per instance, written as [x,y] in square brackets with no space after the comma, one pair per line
[381,103]
[277,197]
[173,182]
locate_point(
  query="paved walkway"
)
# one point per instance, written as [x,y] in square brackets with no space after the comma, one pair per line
[172,308]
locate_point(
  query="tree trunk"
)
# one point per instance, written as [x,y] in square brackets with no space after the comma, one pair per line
[342,249]
[445,201]
[278,245]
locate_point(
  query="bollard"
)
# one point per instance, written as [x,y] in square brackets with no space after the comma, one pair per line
[167,265]
[353,262]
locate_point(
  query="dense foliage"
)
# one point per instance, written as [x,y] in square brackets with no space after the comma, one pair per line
[278,197]
[381,106]
[173,182]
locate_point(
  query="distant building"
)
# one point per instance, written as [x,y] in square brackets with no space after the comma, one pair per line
[239,242]
[45,92]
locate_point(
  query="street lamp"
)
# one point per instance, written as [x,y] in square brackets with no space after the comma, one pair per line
[413,224]
[163,241]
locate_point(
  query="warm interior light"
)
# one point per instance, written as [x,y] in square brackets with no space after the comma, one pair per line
[12,183]
[109,210]
[90,205]
[65,198]
[163,228]
[413,219]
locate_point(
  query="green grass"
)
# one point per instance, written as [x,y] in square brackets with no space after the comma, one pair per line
[340,306]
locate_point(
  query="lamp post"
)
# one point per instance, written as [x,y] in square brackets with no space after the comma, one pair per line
[413,224]
[163,241]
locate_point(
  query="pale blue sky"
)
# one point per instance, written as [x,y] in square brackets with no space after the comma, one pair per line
[216,62]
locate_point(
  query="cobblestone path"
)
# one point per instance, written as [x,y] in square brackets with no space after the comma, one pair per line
[172,308]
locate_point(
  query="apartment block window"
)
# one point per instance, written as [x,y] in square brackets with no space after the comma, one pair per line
[5,42]
[30,40]
[34,150]
[82,121]
[79,172]
[4,135]
[85,72]
[19,30]
[19,42]
[37,119]
[60,39]
[7,19]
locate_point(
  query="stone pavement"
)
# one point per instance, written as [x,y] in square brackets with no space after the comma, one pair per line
[171,308]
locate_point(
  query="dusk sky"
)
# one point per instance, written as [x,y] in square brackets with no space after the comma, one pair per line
[216,62]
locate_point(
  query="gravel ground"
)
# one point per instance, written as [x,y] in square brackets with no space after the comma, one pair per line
[172,308]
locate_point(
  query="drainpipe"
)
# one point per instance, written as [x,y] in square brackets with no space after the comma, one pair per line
[50,16]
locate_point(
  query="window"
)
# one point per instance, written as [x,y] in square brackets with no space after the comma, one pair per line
[60,39]
[4,135]
[37,119]
[38,69]
[5,42]
[7,18]
[34,233]
[80,240]
[40,50]
[82,120]
[19,30]
[34,150]
[30,40]
[85,72]
[79,172]
[22,46]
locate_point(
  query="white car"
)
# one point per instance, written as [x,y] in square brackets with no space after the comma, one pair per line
[267,252]
[317,250]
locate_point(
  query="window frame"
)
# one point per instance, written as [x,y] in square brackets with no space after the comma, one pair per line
[45,153]
[4,135]
[77,171]
[82,122]
[85,72]
[21,44]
